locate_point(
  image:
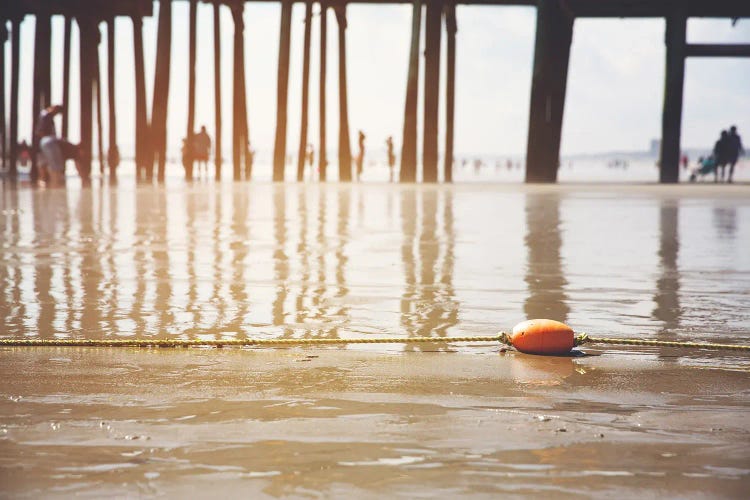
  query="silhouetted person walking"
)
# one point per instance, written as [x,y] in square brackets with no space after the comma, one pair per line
[721,148]
[734,150]
[391,157]
[202,149]
[361,156]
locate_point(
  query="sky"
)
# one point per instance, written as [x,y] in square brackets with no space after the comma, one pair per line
[614,95]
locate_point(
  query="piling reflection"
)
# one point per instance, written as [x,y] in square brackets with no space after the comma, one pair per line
[666,298]
[544,272]
[428,303]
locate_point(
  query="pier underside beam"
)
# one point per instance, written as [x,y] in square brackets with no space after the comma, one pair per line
[671,122]
[554,32]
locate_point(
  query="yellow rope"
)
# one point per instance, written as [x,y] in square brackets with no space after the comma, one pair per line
[502,338]
[585,339]
[238,342]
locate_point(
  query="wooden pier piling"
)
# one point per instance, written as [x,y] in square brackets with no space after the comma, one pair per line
[66,76]
[217,88]
[189,154]
[302,152]
[88,48]
[15,42]
[282,87]
[142,135]
[160,103]
[408,171]
[322,156]
[240,153]
[3,131]
[451,28]
[433,27]
[41,85]
[345,152]
[98,87]
[554,32]
[674,39]
[113,154]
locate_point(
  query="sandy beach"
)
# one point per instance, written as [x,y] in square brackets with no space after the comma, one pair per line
[235,261]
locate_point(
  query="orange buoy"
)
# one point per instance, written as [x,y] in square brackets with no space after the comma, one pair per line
[543,336]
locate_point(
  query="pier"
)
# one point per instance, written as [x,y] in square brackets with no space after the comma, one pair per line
[554,31]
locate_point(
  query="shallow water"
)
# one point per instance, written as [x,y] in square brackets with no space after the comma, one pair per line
[240,260]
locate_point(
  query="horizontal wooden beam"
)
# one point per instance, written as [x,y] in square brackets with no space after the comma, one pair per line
[575,8]
[717,50]
[102,9]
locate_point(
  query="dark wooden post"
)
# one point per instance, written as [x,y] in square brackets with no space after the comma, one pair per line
[322,157]
[41,86]
[143,168]
[302,154]
[671,121]
[66,76]
[433,25]
[408,171]
[161,89]
[246,156]
[98,86]
[14,62]
[188,160]
[345,154]
[554,32]
[3,132]
[88,48]
[113,155]
[238,80]
[282,86]
[217,88]
[450,93]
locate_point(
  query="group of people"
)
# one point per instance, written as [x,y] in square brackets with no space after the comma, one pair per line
[726,153]
[197,148]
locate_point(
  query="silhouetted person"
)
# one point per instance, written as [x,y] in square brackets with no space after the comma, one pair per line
[391,157]
[685,161]
[720,155]
[202,149]
[24,153]
[361,155]
[734,150]
[310,155]
[49,145]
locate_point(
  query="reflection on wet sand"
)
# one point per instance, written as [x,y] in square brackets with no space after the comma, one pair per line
[428,305]
[667,292]
[330,261]
[544,276]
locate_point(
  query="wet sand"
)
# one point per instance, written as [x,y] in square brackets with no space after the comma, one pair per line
[230,261]
[342,423]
